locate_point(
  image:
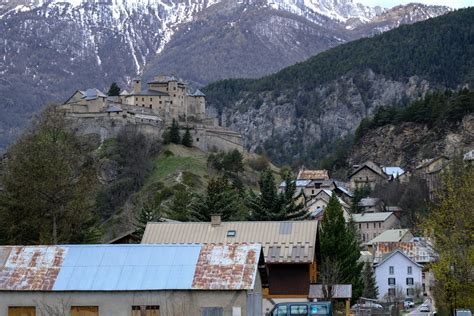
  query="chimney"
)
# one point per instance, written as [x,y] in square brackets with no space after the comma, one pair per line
[137,85]
[216,220]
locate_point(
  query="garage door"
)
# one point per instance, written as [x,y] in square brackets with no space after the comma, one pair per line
[84,311]
[21,311]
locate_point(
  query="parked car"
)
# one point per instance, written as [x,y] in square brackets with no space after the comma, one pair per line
[424,308]
[463,312]
[302,308]
[367,305]
[408,303]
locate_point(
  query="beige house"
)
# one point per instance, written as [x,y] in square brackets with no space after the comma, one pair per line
[430,170]
[87,101]
[368,174]
[392,235]
[370,225]
[291,248]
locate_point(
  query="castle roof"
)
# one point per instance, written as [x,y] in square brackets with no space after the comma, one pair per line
[148,92]
[198,93]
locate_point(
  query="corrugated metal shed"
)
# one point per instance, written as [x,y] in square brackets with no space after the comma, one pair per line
[340,291]
[128,267]
[282,242]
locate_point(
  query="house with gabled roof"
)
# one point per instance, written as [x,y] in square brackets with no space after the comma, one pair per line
[291,248]
[124,280]
[396,269]
[370,225]
[368,175]
[318,203]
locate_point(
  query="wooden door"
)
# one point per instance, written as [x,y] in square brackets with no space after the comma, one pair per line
[84,311]
[21,311]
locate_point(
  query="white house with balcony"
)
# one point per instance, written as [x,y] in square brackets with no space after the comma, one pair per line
[396,270]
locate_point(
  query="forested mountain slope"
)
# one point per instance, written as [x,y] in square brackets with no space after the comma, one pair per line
[298,113]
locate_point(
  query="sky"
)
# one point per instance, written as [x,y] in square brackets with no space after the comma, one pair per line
[392,3]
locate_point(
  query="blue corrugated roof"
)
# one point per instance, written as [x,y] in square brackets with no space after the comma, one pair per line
[127,267]
[393,171]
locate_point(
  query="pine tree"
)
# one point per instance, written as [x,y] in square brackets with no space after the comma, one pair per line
[270,205]
[174,136]
[370,285]
[114,90]
[148,213]
[187,139]
[220,198]
[339,244]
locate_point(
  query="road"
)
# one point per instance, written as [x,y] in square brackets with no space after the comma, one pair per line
[416,311]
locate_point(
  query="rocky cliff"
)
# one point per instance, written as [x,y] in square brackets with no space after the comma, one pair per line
[409,143]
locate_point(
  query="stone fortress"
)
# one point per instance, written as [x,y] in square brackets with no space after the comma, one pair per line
[151,110]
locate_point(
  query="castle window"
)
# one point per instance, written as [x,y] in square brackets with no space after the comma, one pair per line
[171,102]
[150,106]
[143,99]
[174,88]
[151,99]
[161,102]
[174,95]
[136,99]
[197,139]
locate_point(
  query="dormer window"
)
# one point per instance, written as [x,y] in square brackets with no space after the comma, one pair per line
[231,233]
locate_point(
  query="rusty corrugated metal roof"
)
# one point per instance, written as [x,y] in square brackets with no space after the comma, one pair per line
[313,175]
[128,267]
[282,242]
[418,251]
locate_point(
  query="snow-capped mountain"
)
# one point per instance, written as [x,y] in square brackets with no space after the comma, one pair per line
[52,47]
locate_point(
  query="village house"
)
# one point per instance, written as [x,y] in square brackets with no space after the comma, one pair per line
[395,272]
[368,175]
[370,225]
[291,248]
[317,204]
[417,249]
[392,235]
[371,205]
[137,280]
[430,170]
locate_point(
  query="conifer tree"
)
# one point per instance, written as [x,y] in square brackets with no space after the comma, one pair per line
[174,136]
[114,90]
[370,285]
[220,198]
[270,205]
[187,138]
[148,213]
[339,244]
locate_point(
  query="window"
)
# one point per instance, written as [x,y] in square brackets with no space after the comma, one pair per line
[212,311]
[161,102]
[380,225]
[367,225]
[374,234]
[363,237]
[84,310]
[391,270]
[410,292]
[391,281]
[146,310]
[197,139]
[409,281]
[312,191]
[298,310]
[150,106]
[21,311]
[318,309]
[280,311]
[360,226]
[143,99]
[231,233]
[391,292]
[374,225]
[409,271]
[136,99]
[171,102]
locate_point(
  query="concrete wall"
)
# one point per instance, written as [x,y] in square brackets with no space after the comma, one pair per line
[172,303]
[400,264]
